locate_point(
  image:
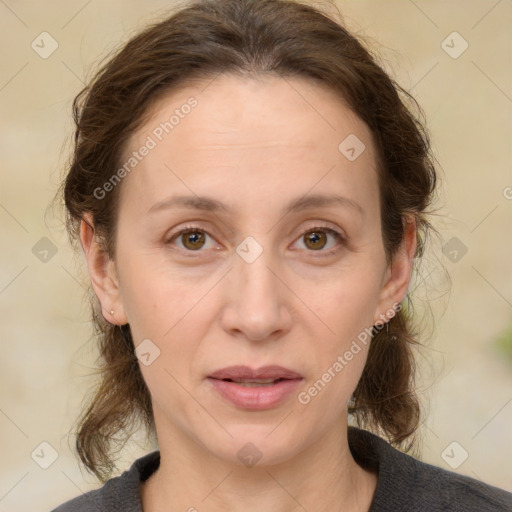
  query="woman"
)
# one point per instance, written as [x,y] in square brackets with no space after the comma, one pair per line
[250,193]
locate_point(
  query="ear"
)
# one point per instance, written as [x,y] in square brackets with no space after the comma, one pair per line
[102,273]
[398,274]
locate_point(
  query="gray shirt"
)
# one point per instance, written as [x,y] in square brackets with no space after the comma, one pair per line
[404,484]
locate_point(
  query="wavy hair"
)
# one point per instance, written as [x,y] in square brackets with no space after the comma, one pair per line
[248,37]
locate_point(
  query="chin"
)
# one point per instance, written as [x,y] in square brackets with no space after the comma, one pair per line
[252,445]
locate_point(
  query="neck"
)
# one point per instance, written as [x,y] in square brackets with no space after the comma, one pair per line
[322,477]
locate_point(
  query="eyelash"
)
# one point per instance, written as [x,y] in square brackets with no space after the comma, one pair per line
[341,238]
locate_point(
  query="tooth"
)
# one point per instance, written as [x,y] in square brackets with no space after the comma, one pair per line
[260,381]
[254,384]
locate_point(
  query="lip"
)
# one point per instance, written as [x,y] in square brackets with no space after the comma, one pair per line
[246,373]
[257,397]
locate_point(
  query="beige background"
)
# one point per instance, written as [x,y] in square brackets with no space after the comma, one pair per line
[45,332]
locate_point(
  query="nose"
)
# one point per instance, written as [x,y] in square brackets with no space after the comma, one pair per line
[257,303]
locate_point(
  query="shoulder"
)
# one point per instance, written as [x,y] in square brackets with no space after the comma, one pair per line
[405,483]
[434,486]
[89,501]
[118,493]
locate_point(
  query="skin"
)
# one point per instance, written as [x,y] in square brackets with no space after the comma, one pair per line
[254,145]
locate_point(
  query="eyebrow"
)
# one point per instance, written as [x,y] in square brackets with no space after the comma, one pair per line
[212,205]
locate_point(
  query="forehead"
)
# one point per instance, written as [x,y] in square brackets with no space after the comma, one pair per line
[270,134]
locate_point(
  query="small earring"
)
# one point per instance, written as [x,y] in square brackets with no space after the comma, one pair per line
[111,311]
[393,337]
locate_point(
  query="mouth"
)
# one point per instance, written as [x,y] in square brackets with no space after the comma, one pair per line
[259,389]
[260,376]
[255,383]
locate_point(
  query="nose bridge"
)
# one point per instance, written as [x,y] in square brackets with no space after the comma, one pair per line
[259,284]
[257,303]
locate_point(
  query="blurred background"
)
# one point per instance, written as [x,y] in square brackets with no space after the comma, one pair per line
[453,56]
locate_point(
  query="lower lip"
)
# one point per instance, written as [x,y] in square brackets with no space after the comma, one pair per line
[257,397]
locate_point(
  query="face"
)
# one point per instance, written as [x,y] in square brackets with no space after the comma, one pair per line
[247,236]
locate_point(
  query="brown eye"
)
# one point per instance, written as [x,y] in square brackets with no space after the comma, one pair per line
[192,239]
[315,240]
[322,240]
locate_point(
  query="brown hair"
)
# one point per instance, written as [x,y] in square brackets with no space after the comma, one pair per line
[249,37]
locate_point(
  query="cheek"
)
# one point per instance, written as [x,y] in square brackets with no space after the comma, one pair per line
[328,393]
[171,311]
[344,308]
[156,295]
[344,301]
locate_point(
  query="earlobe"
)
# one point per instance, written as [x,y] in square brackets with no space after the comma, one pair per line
[102,272]
[399,273]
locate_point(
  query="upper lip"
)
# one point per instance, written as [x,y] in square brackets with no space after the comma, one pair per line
[246,373]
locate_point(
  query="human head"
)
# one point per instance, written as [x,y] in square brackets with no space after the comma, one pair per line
[248,38]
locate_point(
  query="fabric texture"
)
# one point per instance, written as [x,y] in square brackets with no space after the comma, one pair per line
[404,484]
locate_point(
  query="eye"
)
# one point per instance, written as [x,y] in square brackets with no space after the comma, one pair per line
[316,239]
[192,239]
